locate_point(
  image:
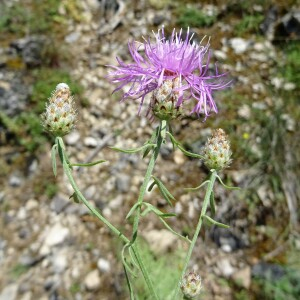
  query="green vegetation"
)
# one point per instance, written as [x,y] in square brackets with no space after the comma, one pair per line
[192,17]
[18,270]
[164,271]
[249,24]
[287,287]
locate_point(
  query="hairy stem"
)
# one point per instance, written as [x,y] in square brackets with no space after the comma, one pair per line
[197,231]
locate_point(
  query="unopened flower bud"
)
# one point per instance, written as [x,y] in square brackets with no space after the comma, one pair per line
[191,285]
[164,99]
[60,114]
[217,151]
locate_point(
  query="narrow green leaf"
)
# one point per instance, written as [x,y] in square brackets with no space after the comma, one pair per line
[88,164]
[131,293]
[151,141]
[133,208]
[173,231]
[212,221]
[75,197]
[164,191]
[132,256]
[134,150]
[151,186]
[53,158]
[158,212]
[178,145]
[125,262]
[226,186]
[198,187]
[146,211]
[212,203]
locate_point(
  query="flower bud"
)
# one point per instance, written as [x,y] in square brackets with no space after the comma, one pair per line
[191,285]
[164,99]
[217,151]
[60,114]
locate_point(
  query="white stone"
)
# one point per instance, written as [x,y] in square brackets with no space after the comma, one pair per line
[90,142]
[220,54]
[31,204]
[72,138]
[9,292]
[103,265]
[56,235]
[92,280]
[225,267]
[22,213]
[59,262]
[239,45]
[244,111]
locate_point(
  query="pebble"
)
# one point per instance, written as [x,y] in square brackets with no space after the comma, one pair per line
[225,267]
[9,292]
[123,183]
[72,138]
[242,277]
[92,280]
[103,265]
[90,142]
[59,262]
[15,180]
[56,235]
[239,45]
[31,204]
[72,37]
[59,203]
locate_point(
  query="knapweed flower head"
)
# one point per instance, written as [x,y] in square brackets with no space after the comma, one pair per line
[59,117]
[176,65]
[191,285]
[216,152]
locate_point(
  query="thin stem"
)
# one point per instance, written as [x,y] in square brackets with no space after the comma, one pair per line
[65,161]
[198,228]
[147,177]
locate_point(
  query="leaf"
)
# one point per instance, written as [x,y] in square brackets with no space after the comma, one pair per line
[163,190]
[226,186]
[198,187]
[134,150]
[151,141]
[88,164]
[133,208]
[178,145]
[125,262]
[53,158]
[212,203]
[212,221]
[157,211]
[75,197]
[151,186]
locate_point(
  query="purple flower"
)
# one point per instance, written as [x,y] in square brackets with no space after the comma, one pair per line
[174,59]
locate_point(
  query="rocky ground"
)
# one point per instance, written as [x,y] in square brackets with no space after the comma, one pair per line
[52,248]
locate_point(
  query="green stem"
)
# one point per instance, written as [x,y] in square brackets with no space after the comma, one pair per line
[65,161]
[197,231]
[160,139]
[66,166]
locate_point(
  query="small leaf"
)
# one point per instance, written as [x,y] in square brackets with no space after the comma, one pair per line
[133,208]
[226,186]
[88,164]
[158,212]
[134,150]
[151,141]
[178,145]
[75,197]
[173,231]
[198,187]
[125,262]
[151,186]
[164,191]
[212,221]
[53,158]
[212,203]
